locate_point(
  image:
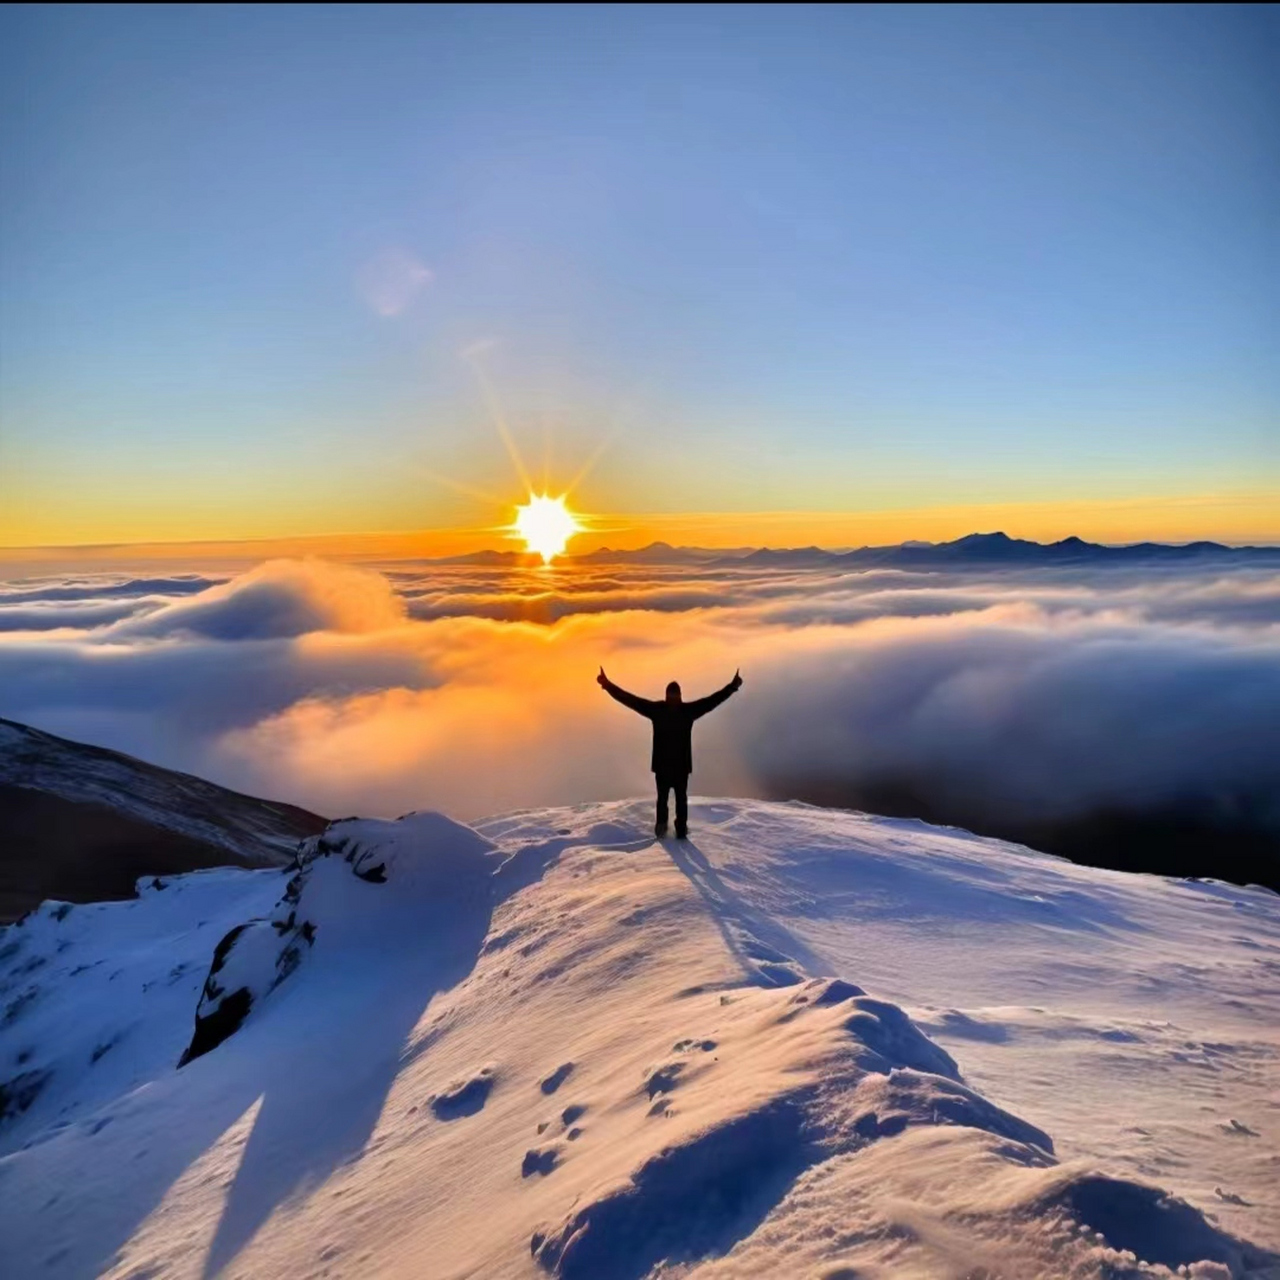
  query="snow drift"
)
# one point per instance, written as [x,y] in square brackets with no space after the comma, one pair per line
[551,1046]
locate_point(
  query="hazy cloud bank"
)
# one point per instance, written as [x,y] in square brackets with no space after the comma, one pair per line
[1012,702]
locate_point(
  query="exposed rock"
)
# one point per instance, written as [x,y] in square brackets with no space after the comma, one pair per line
[425,854]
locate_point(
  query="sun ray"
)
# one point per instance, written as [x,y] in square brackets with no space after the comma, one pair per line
[589,466]
[499,421]
[544,523]
[546,451]
[458,486]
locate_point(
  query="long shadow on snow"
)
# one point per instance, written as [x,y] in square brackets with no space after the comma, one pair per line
[321,1103]
[770,956]
[322,1096]
[319,1058]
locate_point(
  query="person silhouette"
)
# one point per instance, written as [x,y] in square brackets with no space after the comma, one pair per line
[672,760]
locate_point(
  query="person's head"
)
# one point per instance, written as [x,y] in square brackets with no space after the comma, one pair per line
[673,692]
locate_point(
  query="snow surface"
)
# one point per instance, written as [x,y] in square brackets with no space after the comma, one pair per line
[804,1043]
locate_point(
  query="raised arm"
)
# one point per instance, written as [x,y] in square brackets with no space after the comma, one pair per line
[641,705]
[712,701]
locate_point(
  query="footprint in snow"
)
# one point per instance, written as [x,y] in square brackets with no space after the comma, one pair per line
[465,1097]
[663,1079]
[539,1161]
[556,1078]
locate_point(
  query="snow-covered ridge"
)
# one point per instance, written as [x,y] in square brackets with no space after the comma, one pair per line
[551,1046]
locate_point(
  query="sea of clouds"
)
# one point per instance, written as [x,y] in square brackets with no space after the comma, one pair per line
[1017,695]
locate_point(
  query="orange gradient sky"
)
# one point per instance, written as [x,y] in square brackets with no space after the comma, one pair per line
[1233,518]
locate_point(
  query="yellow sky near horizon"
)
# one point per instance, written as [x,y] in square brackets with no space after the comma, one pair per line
[1234,518]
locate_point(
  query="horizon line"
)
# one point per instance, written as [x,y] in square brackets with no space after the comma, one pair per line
[21,552]
[1232,518]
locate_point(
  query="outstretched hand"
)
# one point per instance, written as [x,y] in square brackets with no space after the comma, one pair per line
[602,679]
[735,683]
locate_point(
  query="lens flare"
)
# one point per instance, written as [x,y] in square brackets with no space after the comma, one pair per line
[546,524]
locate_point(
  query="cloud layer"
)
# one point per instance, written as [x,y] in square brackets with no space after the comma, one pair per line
[994,699]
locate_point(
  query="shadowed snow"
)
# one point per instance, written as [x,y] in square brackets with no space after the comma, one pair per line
[554,1039]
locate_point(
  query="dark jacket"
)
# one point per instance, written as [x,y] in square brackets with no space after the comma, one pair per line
[672,726]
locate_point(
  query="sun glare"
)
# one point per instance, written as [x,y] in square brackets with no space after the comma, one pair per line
[546,525]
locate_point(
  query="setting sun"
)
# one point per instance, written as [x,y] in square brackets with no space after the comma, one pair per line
[546,525]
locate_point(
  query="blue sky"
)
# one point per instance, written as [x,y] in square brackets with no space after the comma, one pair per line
[779,258]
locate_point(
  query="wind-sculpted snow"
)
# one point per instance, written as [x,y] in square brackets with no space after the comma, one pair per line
[553,1043]
[698,1197]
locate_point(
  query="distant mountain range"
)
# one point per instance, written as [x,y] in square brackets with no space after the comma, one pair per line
[990,550]
[657,553]
[82,823]
[998,549]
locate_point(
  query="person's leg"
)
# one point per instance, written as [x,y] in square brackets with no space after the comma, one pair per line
[682,806]
[664,786]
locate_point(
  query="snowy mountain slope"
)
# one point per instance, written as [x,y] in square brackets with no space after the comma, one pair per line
[550,1046]
[83,822]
